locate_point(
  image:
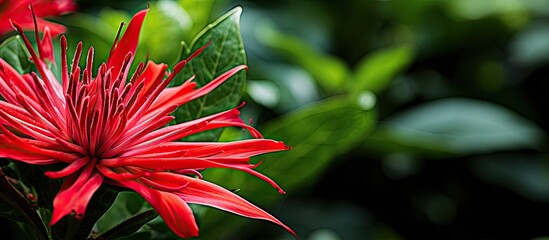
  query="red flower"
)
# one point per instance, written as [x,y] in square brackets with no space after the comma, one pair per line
[19,11]
[108,129]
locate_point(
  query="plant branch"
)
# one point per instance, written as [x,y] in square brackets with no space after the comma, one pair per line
[14,198]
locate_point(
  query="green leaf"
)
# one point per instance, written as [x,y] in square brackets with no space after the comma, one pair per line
[155,229]
[14,52]
[329,71]
[127,205]
[456,126]
[376,71]
[130,225]
[317,138]
[224,52]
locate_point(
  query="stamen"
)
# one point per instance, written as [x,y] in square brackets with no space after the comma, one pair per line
[76,58]
[64,67]
[71,146]
[89,63]
[93,132]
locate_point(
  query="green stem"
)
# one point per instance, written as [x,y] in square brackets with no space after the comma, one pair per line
[14,198]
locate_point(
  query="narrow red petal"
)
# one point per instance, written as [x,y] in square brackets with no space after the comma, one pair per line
[178,98]
[46,46]
[176,213]
[206,193]
[128,42]
[85,194]
[243,148]
[55,29]
[163,164]
[64,201]
[69,169]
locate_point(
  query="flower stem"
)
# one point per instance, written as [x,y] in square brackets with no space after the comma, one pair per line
[14,198]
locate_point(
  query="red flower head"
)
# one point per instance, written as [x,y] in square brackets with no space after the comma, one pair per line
[107,128]
[19,11]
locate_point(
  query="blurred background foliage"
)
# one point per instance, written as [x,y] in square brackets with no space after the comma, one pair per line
[408,119]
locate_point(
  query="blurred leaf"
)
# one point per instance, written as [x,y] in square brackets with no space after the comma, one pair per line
[113,18]
[224,52]
[231,134]
[317,138]
[528,48]
[290,87]
[455,126]
[199,11]
[376,71]
[471,9]
[316,218]
[14,52]
[329,71]
[97,31]
[264,92]
[525,174]
[166,25]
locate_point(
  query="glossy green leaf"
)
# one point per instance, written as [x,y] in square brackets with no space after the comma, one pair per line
[126,206]
[155,229]
[129,226]
[224,52]
[329,71]
[455,126]
[377,70]
[14,52]
[317,138]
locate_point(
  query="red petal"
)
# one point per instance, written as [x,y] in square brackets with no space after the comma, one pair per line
[153,72]
[69,169]
[182,95]
[190,163]
[228,118]
[175,212]
[55,28]
[76,186]
[206,193]
[85,194]
[243,148]
[46,46]
[127,44]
